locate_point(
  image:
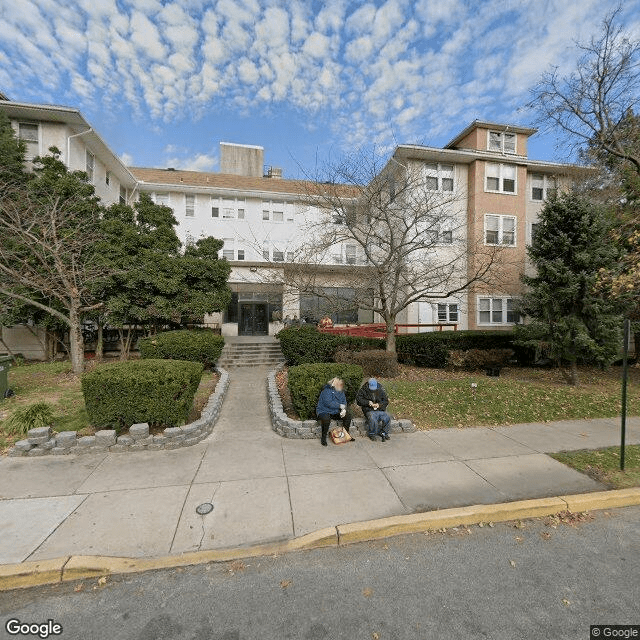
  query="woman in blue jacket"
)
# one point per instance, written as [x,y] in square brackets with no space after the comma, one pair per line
[332,404]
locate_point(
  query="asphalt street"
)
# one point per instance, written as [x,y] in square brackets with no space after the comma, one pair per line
[534,579]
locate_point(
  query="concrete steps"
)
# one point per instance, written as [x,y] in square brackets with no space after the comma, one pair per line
[258,353]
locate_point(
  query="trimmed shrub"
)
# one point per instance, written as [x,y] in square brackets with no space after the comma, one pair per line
[198,345]
[432,349]
[33,416]
[480,358]
[374,362]
[306,345]
[159,392]
[307,380]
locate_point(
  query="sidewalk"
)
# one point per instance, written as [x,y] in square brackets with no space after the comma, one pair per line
[266,488]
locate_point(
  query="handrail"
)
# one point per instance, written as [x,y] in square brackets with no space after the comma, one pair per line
[379,329]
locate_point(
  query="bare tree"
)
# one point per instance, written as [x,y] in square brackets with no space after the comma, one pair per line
[409,233]
[591,104]
[45,254]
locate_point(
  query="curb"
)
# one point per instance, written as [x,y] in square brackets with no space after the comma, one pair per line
[70,568]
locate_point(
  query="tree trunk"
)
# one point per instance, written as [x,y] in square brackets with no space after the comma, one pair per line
[99,341]
[76,342]
[391,336]
[573,374]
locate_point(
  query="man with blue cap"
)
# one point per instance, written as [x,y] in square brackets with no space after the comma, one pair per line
[373,400]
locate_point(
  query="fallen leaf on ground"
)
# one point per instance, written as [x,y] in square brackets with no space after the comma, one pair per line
[102,581]
[512,563]
[78,587]
[375,636]
[545,535]
[367,593]
[565,602]
[285,583]
[519,539]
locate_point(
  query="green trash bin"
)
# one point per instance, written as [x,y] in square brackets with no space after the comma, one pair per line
[5,365]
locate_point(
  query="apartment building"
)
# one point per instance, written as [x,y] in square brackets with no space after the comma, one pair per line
[262,217]
[82,149]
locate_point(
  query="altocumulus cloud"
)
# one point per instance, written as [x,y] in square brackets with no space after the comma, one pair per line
[368,70]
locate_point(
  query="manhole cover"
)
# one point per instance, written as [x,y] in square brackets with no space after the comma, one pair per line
[204,508]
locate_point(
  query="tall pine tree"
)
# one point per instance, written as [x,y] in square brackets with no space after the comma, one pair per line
[569,312]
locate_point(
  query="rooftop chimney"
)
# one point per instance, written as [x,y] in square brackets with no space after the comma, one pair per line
[241,159]
[274,172]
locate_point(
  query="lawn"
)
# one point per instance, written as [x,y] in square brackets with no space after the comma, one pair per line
[603,465]
[53,382]
[436,398]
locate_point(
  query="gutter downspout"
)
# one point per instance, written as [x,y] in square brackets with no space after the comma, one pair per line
[75,135]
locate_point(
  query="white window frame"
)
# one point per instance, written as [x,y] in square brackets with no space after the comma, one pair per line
[505,302]
[547,185]
[502,136]
[158,198]
[439,174]
[501,178]
[277,255]
[29,141]
[266,217]
[277,216]
[90,165]
[448,312]
[188,207]
[351,254]
[241,254]
[531,226]
[123,195]
[107,178]
[501,219]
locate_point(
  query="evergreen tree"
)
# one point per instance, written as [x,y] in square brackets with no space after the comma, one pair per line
[12,154]
[571,315]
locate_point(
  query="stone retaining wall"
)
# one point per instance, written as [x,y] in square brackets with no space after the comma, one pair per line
[42,441]
[307,429]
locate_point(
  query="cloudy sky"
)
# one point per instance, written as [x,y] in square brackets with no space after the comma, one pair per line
[164,82]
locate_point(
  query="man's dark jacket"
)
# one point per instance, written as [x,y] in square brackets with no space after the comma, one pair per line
[377,396]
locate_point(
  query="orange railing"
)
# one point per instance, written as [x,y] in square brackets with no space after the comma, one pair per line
[379,330]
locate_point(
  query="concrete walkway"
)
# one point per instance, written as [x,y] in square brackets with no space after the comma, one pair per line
[266,488]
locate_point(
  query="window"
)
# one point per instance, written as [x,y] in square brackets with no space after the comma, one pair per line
[497,311]
[29,134]
[535,226]
[228,212]
[290,217]
[543,187]
[107,178]
[123,195]
[278,256]
[500,230]
[240,254]
[215,212]
[290,256]
[500,177]
[89,164]
[190,206]
[227,251]
[502,141]
[439,177]
[240,214]
[265,214]
[278,216]
[265,251]
[351,253]
[447,312]
[162,198]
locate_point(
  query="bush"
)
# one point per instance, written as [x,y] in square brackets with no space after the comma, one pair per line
[33,416]
[374,362]
[159,392]
[307,380]
[480,358]
[199,345]
[432,349]
[306,345]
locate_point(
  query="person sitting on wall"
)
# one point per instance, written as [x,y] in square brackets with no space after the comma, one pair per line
[332,404]
[325,323]
[373,400]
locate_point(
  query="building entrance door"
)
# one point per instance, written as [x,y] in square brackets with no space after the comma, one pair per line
[253,319]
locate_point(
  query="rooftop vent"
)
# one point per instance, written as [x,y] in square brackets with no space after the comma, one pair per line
[273,172]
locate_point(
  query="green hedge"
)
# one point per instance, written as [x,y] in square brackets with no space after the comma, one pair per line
[199,345]
[432,349]
[306,345]
[307,380]
[159,392]
[374,362]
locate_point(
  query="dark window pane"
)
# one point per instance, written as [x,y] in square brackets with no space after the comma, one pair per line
[509,185]
[447,184]
[536,193]
[493,184]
